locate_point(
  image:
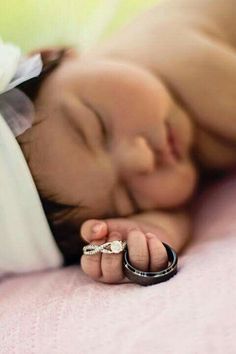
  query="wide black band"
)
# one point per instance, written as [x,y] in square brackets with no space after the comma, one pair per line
[150,278]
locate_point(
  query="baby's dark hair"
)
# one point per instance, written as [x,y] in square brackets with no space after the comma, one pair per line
[51,59]
[65,229]
[65,232]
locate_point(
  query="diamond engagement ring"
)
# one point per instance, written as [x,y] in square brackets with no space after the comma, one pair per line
[108,247]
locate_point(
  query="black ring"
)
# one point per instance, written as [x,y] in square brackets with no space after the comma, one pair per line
[150,278]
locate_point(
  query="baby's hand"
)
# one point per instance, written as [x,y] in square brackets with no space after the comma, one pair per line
[146,252]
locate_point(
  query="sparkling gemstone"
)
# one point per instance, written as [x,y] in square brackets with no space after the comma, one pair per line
[116,246]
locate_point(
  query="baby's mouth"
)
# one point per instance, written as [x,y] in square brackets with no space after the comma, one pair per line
[173,151]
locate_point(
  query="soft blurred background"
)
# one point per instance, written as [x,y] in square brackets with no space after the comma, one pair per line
[36,23]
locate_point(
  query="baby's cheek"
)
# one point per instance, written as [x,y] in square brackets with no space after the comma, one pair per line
[186,183]
[166,188]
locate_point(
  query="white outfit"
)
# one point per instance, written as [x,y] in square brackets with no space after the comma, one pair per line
[26,242]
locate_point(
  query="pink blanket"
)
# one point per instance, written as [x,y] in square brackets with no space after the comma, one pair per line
[65,312]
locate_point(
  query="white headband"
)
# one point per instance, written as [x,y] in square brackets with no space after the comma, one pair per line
[26,242]
[15,106]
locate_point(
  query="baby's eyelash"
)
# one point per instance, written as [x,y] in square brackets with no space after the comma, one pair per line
[102,125]
[100,120]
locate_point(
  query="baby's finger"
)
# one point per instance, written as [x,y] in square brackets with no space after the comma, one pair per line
[91,264]
[93,229]
[94,232]
[157,253]
[112,271]
[138,250]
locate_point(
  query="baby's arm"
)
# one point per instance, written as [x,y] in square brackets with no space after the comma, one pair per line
[143,233]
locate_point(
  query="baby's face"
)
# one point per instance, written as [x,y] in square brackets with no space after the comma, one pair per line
[101,142]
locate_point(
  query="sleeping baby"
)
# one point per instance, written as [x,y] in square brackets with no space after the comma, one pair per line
[126,133]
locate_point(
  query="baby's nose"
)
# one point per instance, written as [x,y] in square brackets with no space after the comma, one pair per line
[134,156]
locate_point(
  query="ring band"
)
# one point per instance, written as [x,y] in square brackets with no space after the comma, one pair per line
[108,247]
[150,278]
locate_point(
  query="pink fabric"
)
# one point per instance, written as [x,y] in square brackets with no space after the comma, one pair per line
[65,312]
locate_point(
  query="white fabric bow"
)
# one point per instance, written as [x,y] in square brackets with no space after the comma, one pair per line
[26,241]
[15,68]
[15,106]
